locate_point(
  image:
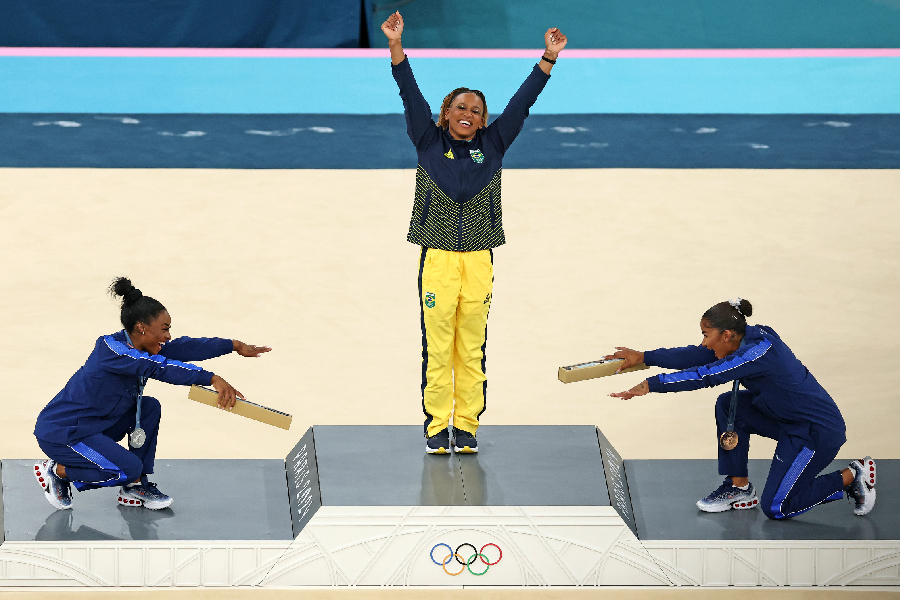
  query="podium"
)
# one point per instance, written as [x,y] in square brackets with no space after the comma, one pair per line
[365,506]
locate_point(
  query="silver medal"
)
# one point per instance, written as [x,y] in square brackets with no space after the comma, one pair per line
[137,438]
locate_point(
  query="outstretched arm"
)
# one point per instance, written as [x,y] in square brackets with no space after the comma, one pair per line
[555,41]
[393,29]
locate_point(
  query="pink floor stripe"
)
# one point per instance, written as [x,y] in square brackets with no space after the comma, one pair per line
[448,53]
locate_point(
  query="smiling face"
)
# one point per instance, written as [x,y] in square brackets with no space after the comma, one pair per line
[465,116]
[149,337]
[721,342]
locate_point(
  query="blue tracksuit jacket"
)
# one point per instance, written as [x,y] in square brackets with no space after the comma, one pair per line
[107,386]
[457,204]
[784,389]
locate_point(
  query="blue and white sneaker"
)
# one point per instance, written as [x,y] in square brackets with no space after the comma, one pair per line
[727,496]
[145,494]
[439,443]
[862,490]
[56,489]
[464,442]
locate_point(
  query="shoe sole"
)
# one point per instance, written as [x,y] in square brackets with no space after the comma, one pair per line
[436,450]
[42,479]
[150,505]
[465,450]
[742,505]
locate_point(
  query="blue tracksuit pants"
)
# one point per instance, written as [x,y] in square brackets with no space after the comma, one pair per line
[794,485]
[99,461]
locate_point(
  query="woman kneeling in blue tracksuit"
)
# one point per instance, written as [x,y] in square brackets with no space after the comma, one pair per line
[103,402]
[782,401]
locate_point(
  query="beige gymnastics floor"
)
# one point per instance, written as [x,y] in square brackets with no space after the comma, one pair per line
[315,264]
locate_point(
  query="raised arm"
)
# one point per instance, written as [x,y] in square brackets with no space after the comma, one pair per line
[393,29]
[504,130]
[419,125]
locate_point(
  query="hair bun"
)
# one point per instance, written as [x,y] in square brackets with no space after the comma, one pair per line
[132,295]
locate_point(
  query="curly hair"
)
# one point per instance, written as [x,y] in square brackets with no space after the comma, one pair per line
[448,100]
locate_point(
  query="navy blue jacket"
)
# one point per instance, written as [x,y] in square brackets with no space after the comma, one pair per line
[107,386]
[457,205]
[783,389]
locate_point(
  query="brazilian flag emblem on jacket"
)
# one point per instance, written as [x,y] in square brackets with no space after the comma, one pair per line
[477,156]
[429,299]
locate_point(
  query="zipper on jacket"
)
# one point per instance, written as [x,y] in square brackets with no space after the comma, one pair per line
[459,235]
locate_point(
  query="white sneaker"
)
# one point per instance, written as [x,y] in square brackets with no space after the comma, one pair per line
[145,494]
[727,496]
[862,489]
[56,489]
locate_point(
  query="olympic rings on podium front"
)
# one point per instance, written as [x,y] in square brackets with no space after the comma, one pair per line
[481,554]
[461,558]
[447,561]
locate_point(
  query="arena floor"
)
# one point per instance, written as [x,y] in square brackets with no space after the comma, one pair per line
[314,263]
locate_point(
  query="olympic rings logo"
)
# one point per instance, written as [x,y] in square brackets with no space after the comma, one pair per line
[466,564]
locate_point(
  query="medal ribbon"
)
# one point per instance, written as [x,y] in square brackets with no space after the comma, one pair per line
[732,408]
[141,381]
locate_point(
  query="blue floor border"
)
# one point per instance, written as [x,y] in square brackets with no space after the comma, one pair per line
[329,141]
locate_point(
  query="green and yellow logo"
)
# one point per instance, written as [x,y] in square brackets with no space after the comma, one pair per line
[477,156]
[429,299]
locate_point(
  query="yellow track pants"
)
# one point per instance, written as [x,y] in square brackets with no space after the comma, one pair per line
[455,298]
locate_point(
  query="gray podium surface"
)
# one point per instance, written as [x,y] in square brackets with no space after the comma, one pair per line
[383,465]
[535,465]
[664,495]
[214,500]
[550,465]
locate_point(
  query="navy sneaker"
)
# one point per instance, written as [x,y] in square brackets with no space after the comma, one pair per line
[862,490]
[464,442]
[56,489]
[145,494]
[727,496]
[439,443]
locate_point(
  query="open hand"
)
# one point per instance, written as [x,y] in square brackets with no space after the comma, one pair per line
[631,357]
[249,350]
[638,390]
[393,27]
[554,40]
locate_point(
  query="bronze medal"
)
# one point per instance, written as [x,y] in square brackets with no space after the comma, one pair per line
[728,440]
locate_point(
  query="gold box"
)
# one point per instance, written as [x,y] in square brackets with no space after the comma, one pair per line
[244,408]
[594,369]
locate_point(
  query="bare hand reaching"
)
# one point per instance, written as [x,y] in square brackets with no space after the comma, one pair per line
[638,390]
[249,350]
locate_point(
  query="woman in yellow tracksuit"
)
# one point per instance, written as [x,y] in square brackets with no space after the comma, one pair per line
[457,220]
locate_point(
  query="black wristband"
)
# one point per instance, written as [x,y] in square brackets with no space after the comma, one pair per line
[552,62]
